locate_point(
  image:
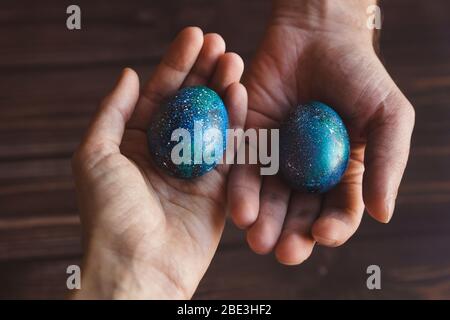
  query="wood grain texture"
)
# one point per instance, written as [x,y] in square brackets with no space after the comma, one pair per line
[51,81]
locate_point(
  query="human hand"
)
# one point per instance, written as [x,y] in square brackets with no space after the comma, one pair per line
[146,234]
[322,50]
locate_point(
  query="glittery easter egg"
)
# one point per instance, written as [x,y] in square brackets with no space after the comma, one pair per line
[187,136]
[314,148]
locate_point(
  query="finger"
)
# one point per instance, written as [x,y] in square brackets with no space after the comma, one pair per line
[213,48]
[168,75]
[229,70]
[296,242]
[343,206]
[107,127]
[388,143]
[274,199]
[236,103]
[244,185]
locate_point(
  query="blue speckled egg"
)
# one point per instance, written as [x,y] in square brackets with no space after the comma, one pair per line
[314,148]
[202,116]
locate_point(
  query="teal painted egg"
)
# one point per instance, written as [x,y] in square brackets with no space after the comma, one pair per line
[187,136]
[314,148]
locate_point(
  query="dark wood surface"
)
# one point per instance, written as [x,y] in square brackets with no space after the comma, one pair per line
[51,80]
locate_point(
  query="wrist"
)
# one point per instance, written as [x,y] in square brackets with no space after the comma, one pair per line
[329,16]
[104,275]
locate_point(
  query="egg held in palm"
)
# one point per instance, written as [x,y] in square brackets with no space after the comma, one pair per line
[314,148]
[187,135]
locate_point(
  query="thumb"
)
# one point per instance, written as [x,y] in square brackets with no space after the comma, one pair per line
[108,125]
[386,155]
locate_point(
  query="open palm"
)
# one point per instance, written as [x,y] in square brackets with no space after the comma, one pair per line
[168,228]
[294,66]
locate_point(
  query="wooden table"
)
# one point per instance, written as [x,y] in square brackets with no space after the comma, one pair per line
[51,80]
